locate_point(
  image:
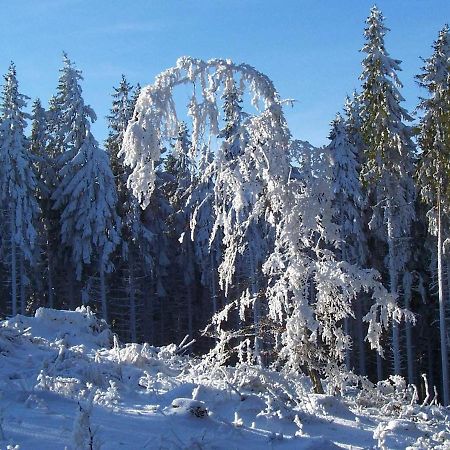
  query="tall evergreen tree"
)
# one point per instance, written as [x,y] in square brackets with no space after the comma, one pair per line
[349,204]
[133,260]
[45,175]
[66,110]
[180,166]
[120,114]
[353,124]
[388,167]
[17,190]
[434,167]
[352,109]
[85,194]
[349,197]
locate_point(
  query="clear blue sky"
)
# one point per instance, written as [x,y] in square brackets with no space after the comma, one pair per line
[310,48]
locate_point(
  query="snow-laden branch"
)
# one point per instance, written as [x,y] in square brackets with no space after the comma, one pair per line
[156,120]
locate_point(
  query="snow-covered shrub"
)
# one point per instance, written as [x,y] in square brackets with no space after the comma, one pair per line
[380,435]
[110,397]
[392,396]
[67,387]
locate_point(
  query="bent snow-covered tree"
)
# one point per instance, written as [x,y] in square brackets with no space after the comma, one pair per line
[306,292]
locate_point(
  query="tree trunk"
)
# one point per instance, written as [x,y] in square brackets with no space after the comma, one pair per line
[442,325]
[50,301]
[360,336]
[132,294]
[379,367]
[23,304]
[393,289]
[344,257]
[71,282]
[103,291]
[13,268]
[162,323]
[316,382]
[189,310]
[430,361]
[148,284]
[407,282]
[213,282]
[347,350]
[256,311]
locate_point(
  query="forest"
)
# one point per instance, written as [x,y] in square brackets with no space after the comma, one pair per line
[209,223]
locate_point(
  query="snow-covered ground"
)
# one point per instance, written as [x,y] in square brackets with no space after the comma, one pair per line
[66,382]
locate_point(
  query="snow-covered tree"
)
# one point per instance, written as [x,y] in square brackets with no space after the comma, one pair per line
[120,114]
[353,124]
[434,168]
[200,205]
[388,166]
[349,203]
[262,188]
[63,122]
[86,193]
[45,174]
[133,259]
[349,196]
[17,190]
[38,139]
[180,166]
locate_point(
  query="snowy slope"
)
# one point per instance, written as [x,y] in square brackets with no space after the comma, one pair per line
[64,379]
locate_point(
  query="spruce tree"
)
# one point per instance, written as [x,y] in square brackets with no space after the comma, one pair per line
[349,196]
[132,260]
[180,167]
[352,109]
[85,194]
[120,115]
[17,191]
[434,167]
[388,166]
[348,204]
[45,175]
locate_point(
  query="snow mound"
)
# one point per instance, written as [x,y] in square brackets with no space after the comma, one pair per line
[79,327]
[331,406]
[187,406]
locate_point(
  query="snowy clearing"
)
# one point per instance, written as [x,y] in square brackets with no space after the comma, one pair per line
[58,365]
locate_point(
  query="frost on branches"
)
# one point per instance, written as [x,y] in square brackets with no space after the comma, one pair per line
[264,186]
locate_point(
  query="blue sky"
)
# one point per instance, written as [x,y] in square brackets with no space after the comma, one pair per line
[310,48]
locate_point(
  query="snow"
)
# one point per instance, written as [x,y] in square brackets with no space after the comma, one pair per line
[66,380]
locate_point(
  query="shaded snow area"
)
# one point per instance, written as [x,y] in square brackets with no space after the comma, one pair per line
[66,382]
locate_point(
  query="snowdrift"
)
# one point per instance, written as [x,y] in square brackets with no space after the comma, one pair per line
[66,381]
